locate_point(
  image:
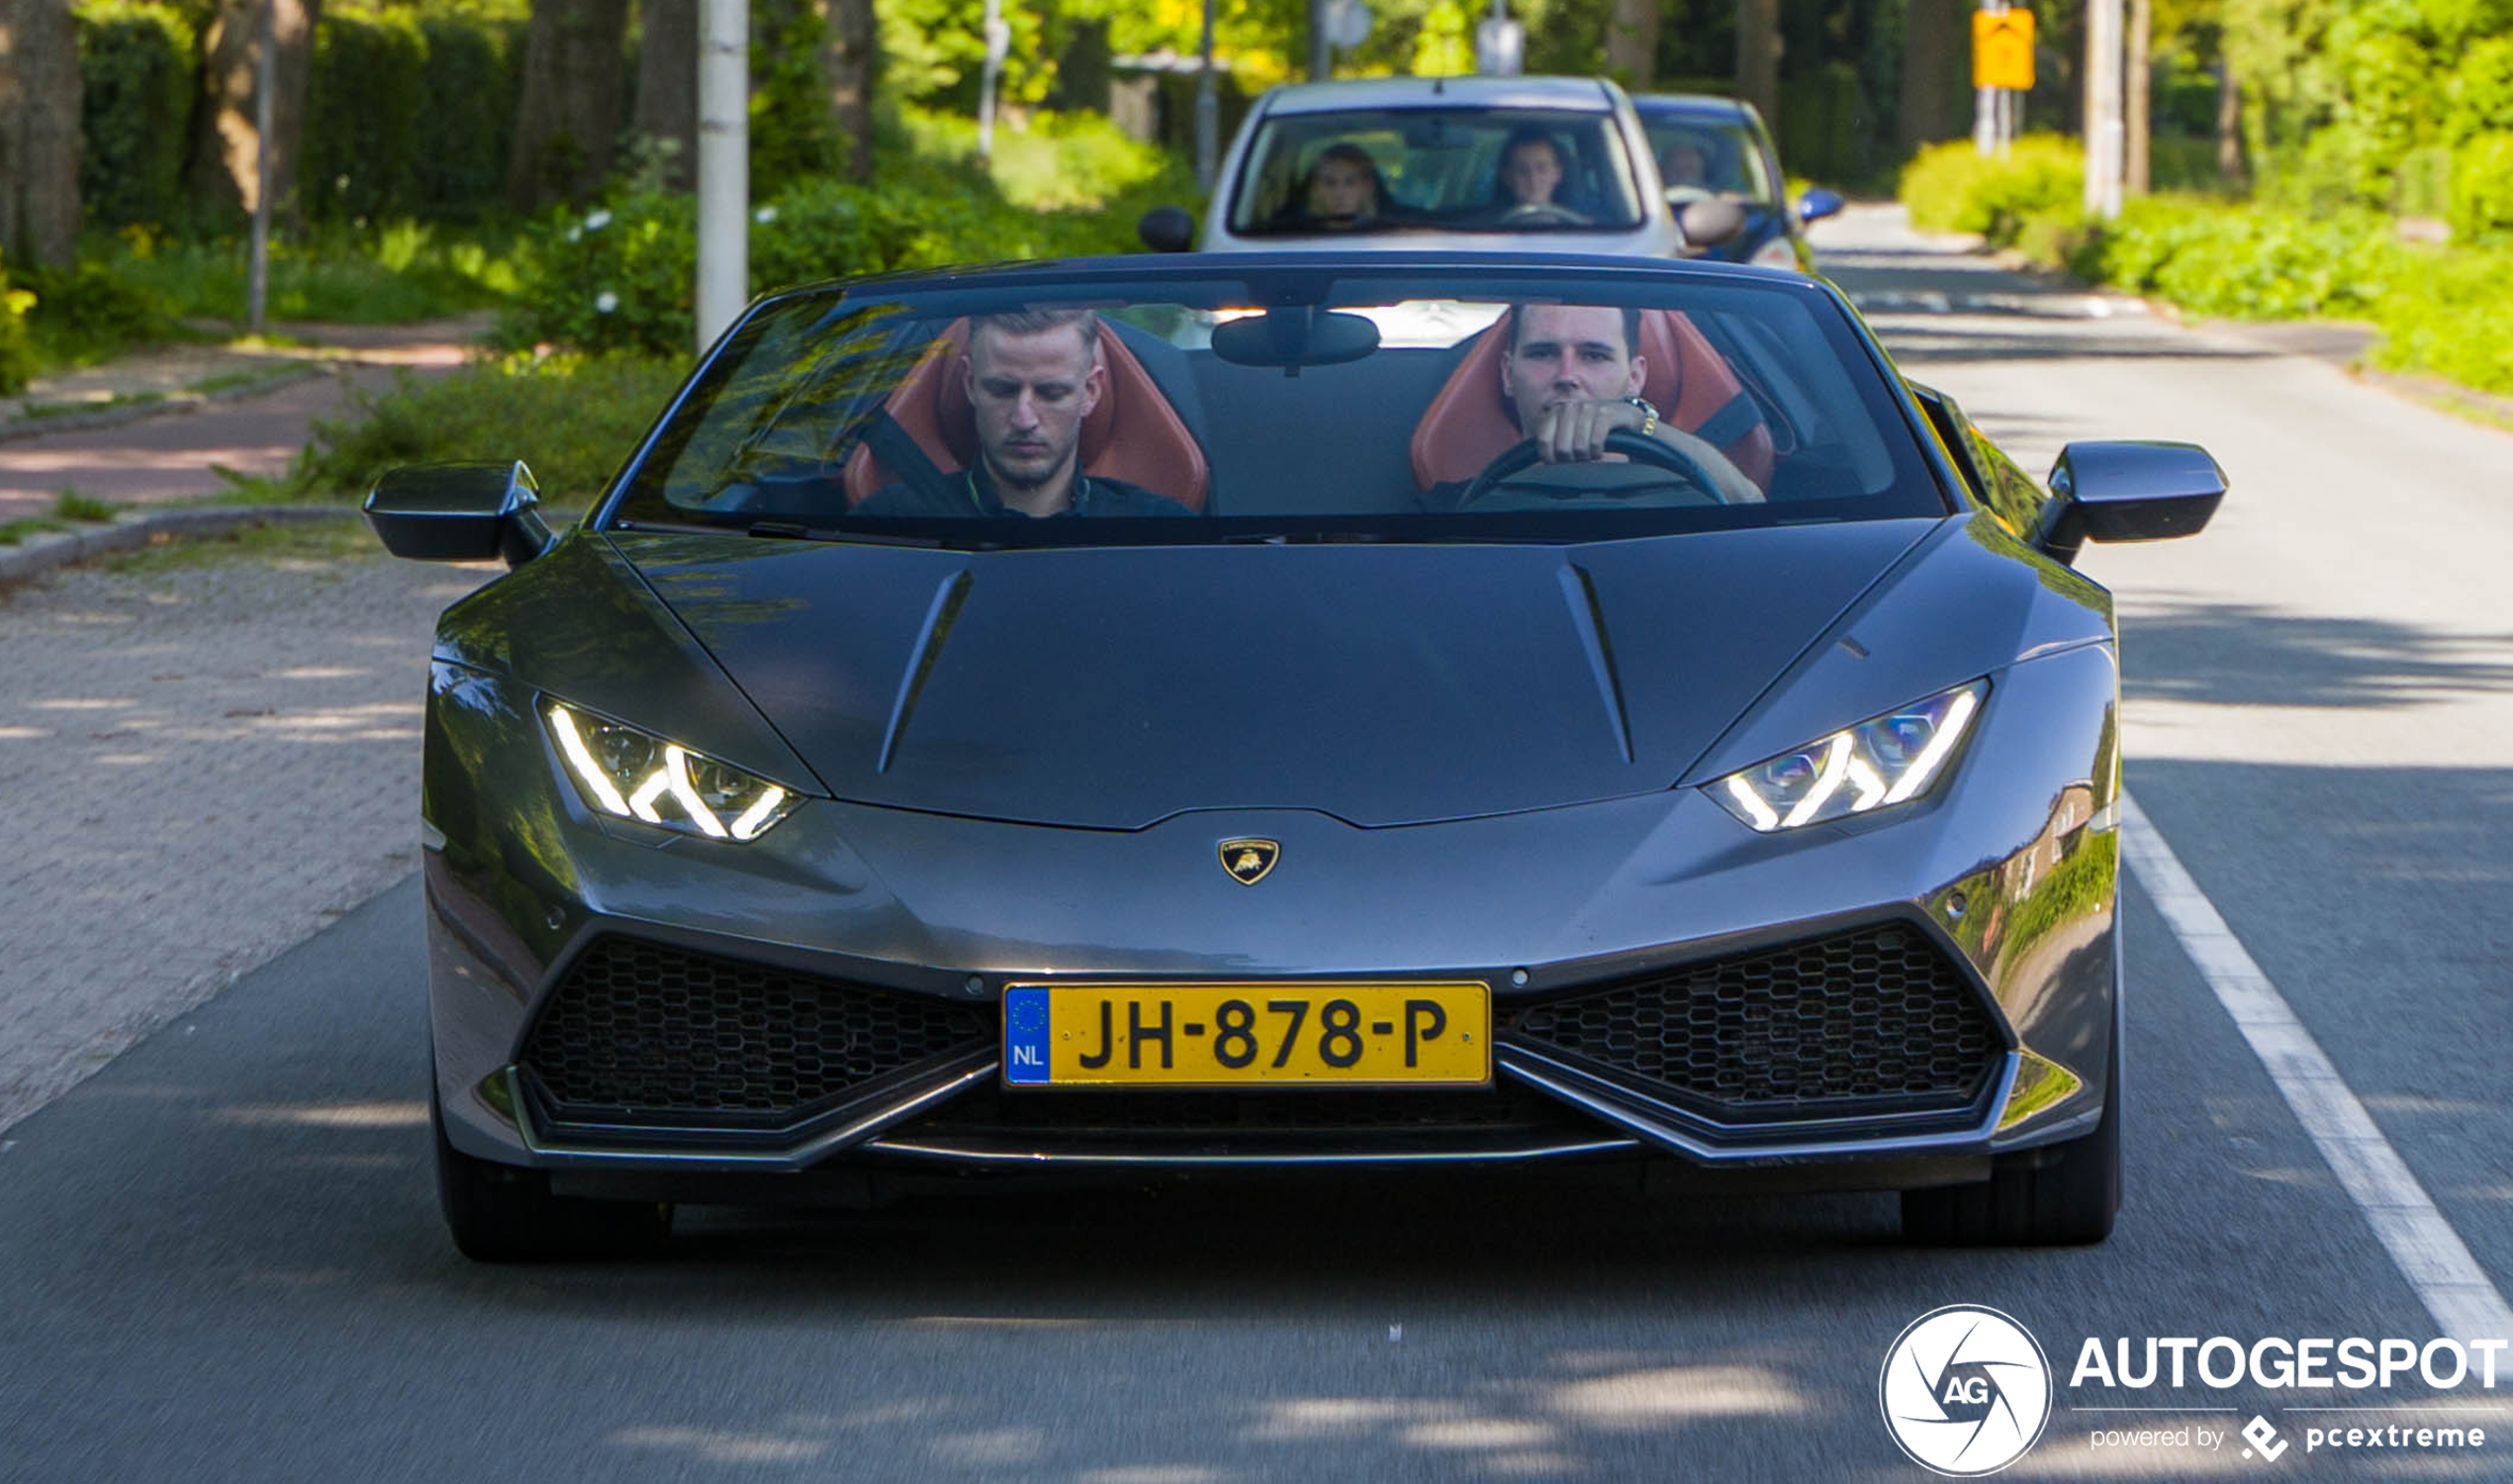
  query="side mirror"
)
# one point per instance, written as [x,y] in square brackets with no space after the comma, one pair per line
[2128,492]
[1710,221]
[1818,203]
[1167,229]
[459,513]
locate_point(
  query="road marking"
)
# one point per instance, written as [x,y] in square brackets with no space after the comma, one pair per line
[2429,1253]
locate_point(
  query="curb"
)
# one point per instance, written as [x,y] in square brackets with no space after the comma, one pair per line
[42,553]
[114,415]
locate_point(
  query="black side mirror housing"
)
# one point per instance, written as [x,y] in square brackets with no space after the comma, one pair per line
[1818,204]
[1708,222]
[1167,229]
[2128,492]
[459,513]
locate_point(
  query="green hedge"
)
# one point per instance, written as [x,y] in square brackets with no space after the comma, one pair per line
[407,117]
[136,60]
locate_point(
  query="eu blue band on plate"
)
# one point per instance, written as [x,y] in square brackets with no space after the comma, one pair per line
[1025,1036]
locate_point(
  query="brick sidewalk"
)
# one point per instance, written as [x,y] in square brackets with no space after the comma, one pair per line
[221,755]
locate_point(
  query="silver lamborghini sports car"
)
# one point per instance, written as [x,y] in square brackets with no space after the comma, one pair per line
[1277,712]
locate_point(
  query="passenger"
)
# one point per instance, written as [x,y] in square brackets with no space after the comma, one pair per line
[1341,191]
[1032,377]
[1533,169]
[1685,167]
[1572,374]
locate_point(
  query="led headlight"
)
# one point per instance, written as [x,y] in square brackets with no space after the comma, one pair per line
[634,774]
[1876,764]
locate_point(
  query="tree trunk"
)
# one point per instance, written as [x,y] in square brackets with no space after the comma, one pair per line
[2229,125]
[849,62]
[1936,71]
[1758,57]
[226,162]
[667,120]
[2136,111]
[1632,44]
[569,118]
[40,95]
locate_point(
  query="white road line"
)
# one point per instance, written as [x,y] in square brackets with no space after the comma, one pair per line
[2430,1254]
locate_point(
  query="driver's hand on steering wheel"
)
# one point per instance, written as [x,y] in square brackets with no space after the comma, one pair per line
[1574,430]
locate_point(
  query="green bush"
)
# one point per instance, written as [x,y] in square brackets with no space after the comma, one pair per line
[1048,162]
[86,314]
[1953,187]
[16,346]
[135,62]
[573,419]
[2483,187]
[2447,315]
[2246,263]
[622,277]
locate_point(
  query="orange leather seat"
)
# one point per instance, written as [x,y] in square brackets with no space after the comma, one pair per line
[1469,423]
[1133,434]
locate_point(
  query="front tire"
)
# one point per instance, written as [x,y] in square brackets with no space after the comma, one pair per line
[2062,1196]
[498,1212]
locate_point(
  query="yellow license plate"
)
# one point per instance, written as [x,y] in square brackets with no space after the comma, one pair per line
[1238,1035]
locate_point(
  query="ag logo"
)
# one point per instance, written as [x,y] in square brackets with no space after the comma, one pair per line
[1248,860]
[1965,1390]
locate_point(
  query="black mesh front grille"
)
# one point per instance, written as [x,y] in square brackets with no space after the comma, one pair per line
[1136,1115]
[1876,1020]
[639,1028]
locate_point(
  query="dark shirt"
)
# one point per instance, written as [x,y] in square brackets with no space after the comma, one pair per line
[972,494]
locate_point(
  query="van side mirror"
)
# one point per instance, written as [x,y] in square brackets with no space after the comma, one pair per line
[459,513]
[2128,492]
[1167,229]
[1818,204]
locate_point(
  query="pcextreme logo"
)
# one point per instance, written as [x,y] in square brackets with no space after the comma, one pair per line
[1965,1390]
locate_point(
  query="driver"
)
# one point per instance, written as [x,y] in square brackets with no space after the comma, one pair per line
[1533,167]
[1573,374]
[1033,376]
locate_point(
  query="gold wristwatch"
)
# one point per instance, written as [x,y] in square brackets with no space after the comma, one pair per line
[1648,416]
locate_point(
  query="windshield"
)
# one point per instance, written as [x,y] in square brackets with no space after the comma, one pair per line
[1698,159]
[1450,170]
[1360,406]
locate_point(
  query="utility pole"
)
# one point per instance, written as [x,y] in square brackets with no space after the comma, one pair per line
[723,285]
[265,83]
[2103,125]
[998,45]
[1208,108]
[1317,63]
[2134,162]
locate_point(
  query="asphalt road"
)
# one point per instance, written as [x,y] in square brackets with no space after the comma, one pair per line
[222,1259]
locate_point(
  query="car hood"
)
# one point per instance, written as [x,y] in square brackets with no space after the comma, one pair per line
[1110,688]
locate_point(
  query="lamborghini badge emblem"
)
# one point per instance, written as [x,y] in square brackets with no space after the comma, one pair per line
[1248,860]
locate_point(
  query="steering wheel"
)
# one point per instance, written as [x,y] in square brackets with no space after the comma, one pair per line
[1520,456]
[1544,211]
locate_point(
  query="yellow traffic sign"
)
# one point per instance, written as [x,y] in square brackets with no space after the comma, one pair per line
[2002,48]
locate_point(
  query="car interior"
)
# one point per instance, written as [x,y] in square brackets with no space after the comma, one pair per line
[1441,167]
[1367,431]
